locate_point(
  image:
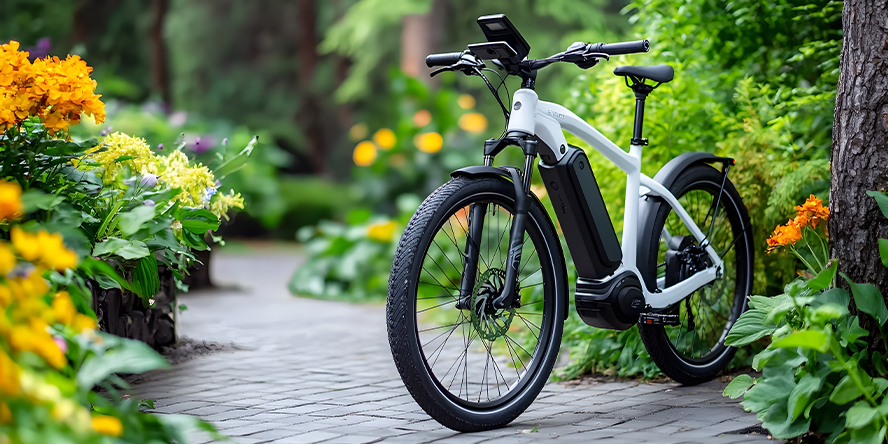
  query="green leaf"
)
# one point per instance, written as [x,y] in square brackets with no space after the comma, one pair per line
[809,339]
[767,392]
[133,220]
[850,330]
[845,391]
[183,307]
[802,393]
[34,199]
[881,199]
[145,278]
[128,356]
[824,278]
[837,296]
[738,386]
[883,251]
[197,221]
[881,385]
[868,435]
[869,299]
[749,328]
[127,249]
[124,158]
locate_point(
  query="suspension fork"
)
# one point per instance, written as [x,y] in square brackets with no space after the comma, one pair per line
[477,214]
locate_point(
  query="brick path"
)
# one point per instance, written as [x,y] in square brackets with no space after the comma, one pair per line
[311,371]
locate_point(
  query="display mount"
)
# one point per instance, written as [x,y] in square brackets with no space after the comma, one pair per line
[497,28]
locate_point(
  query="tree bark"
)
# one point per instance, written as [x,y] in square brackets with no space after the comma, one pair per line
[860,143]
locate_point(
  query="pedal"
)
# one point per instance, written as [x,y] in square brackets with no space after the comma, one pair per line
[658,319]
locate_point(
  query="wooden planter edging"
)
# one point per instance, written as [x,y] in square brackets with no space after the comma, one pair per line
[122,313]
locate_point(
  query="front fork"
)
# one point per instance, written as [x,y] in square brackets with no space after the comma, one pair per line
[506,299]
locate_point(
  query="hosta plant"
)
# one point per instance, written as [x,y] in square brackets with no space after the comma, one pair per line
[821,374]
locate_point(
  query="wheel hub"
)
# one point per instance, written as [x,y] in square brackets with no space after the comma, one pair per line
[489,322]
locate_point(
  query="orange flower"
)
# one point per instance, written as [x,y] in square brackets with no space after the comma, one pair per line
[812,212]
[787,234]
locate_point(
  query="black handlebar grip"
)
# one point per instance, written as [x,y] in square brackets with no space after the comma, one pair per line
[625,47]
[444,59]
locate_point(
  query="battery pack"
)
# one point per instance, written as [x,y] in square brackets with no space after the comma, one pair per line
[582,215]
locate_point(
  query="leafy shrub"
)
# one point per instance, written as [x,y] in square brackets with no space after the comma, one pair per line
[820,373]
[51,357]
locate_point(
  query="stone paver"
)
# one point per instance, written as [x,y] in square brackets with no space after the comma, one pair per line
[310,371]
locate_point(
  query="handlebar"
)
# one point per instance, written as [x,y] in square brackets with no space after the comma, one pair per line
[443,59]
[622,47]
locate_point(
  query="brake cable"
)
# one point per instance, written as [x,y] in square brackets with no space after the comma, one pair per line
[493,91]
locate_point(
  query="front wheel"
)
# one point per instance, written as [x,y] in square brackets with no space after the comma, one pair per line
[694,351]
[469,365]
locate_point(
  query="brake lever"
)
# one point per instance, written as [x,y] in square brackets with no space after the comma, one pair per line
[440,70]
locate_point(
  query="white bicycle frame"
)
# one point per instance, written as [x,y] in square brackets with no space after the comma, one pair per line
[548,120]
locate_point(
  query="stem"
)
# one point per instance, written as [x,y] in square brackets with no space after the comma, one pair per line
[810,268]
[833,345]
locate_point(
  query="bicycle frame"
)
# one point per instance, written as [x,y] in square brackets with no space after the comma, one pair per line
[547,121]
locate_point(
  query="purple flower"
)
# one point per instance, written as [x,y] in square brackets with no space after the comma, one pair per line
[148,203]
[150,181]
[102,133]
[217,184]
[225,142]
[160,147]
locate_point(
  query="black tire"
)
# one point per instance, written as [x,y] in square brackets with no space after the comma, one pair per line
[473,405]
[706,315]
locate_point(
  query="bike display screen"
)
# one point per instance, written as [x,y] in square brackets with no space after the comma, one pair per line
[498,28]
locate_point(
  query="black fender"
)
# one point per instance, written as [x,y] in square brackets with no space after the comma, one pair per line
[513,174]
[650,205]
[481,170]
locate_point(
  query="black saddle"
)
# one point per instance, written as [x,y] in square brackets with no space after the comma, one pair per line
[657,73]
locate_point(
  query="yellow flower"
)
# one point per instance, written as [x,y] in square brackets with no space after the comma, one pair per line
[465,101]
[30,287]
[422,118]
[7,260]
[223,202]
[10,199]
[364,154]
[381,231]
[36,339]
[44,248]
[358,131]
[119,145]
[5,414]
[385,138]
[107,425]
[473,122]
[428,142]
[63,309]
[83,322]
[9,375]
[194,180]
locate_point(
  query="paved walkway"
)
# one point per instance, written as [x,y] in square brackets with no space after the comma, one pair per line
[310,371]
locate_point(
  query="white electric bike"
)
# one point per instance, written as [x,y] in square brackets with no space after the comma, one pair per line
[478,292]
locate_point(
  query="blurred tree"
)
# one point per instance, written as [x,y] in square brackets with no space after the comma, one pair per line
[159,62]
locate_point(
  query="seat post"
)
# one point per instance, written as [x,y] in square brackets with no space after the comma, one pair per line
[637,138]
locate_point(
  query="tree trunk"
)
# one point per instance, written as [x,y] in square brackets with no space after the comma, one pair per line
[860,143]
[310,115]
[159,66]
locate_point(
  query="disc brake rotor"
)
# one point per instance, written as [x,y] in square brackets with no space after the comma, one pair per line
[489,322]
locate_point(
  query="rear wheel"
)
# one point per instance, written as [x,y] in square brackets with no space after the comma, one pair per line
[694,351]
[468,365]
